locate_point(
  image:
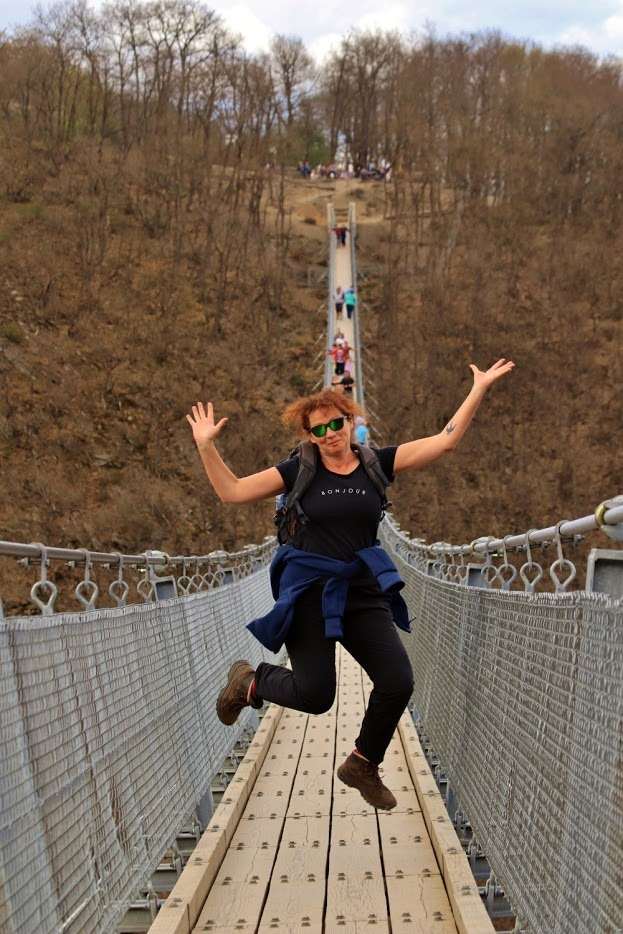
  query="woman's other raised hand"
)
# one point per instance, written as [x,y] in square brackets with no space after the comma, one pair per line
[202,424]
[485,379]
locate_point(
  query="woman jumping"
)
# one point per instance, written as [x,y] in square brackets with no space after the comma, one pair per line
[332,582]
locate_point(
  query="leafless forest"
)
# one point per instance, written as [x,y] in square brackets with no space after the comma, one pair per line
[155,245]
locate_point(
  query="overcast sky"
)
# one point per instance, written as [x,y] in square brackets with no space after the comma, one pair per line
[597,24]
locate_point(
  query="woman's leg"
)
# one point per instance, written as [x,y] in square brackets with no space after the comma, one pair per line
[371,637]
[310,685]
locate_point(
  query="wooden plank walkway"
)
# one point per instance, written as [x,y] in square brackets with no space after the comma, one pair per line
[291,849]
[344,278]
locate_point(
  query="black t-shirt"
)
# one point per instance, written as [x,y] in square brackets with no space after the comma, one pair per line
[343,511]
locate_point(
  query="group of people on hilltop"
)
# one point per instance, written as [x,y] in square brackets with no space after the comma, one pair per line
[370,171]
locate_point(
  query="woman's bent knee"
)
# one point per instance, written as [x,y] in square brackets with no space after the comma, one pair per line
[400,686]
[318,703]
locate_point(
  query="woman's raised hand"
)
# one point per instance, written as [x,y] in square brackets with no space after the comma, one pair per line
[202,424]
[486,378]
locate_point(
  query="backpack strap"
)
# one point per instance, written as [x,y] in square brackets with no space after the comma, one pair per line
[372,466]
[308,461]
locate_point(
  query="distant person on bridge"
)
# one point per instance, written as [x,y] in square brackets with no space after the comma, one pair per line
[330,579]
[362,432]
[339,302]
[339,354]
[340,235]
[347,383]
[350,300]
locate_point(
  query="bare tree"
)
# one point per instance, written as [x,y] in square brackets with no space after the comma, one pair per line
[294,71]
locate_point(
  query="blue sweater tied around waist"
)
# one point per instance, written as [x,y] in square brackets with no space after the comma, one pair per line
[292,571]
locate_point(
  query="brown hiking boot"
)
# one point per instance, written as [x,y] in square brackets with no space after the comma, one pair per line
[358,773]
[233,697]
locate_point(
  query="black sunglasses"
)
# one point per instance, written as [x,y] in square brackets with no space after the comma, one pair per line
[335,425]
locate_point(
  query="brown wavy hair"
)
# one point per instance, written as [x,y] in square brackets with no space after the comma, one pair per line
[296,415]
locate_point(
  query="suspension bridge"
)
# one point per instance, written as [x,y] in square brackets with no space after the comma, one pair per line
[507,767]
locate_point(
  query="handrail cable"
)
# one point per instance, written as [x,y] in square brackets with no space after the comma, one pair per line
[152,558]
[608,521]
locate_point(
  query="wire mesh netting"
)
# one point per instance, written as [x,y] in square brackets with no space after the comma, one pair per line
[110,738]
[521,696]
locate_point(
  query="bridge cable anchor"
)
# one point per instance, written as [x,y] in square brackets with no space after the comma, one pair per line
[47,609]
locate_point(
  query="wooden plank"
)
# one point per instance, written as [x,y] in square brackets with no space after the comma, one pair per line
[351,803]
[469,914]
[310,805]
[269,797]
[295,898]
[319,736]
[297,905]
[256,804]
[392,758]
[278,770]
[326,754]
[231,904]
[288,746]
[199,873]
[370,925]
[355,898]
[305,831]
[419,904]
[398,822]
[468,909]
[403,830]
[306,924]
[282,758]
[276,781]
[292,725]
[352,830]
[262,833]
[301,864]
[247,864]
[313,774]
[355,886]
[355,862]
[410,859]
[395,771]
[318,725]
[172,917]
[206,928]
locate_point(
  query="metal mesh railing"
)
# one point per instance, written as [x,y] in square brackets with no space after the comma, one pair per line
[110,739]
[521,696]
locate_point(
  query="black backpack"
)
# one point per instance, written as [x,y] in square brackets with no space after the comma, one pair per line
[290,515]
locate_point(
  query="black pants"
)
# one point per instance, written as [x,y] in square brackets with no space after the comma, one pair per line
[371,637]
[349,311]
[339,368]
